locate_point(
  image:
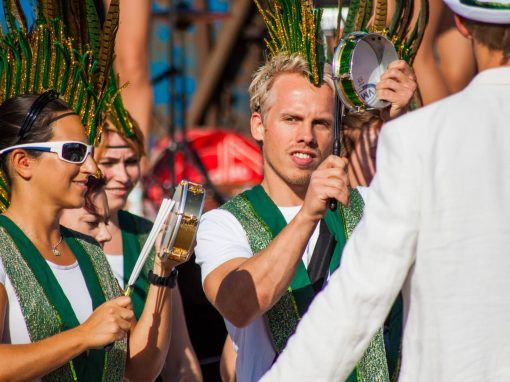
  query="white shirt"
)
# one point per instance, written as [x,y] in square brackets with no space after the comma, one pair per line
[437,224]
[72,283]
[117,265]
[221,238]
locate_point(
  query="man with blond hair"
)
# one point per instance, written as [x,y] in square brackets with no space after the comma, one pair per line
[257,251]
[436,226]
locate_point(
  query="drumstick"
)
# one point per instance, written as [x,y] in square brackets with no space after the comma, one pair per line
[339,113]
[166,207]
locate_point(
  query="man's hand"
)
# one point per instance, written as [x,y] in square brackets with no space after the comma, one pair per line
[397,86]
[329,181]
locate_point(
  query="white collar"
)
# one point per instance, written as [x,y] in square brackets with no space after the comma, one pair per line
[494,76]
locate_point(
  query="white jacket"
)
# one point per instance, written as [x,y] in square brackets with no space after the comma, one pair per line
[437,226]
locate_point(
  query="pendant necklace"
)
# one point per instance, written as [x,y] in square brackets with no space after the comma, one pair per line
[54,249]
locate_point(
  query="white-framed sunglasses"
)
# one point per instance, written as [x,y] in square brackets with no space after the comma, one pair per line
[69,151]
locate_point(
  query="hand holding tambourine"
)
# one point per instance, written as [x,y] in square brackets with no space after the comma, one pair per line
[369,75]
[174,230]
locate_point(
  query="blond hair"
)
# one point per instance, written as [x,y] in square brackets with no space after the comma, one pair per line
[136,142]
[266,75]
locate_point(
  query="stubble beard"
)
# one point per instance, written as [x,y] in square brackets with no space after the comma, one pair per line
[298,180]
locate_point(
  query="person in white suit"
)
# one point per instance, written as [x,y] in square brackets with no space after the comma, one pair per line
[437,227]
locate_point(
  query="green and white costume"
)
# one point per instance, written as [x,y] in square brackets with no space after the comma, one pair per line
[135,231]
[33,288]
[243,227]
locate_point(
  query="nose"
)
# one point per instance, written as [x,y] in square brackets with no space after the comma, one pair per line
[89,167]
[305,133]
[121,174]
[103,236]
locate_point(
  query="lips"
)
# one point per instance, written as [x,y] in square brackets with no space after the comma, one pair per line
[303,158]
[118,191]
[82,184]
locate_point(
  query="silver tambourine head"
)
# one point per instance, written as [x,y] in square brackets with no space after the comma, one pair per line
[359,61]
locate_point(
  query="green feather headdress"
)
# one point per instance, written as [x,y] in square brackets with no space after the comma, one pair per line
[66,50]
[371,16]
[294,27]
[117,112]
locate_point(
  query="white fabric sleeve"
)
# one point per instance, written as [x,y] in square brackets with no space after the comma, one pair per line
[342,320]
[3,274]
[363,192]
[220,238]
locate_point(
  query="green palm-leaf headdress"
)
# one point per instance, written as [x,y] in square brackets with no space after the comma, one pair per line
[66,50]
[371,16]
[294,28]
[82,21]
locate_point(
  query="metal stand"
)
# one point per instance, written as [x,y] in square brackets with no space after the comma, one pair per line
[182,17]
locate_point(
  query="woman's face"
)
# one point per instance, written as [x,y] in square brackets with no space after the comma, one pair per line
[91,223]
[120,165]
[58,182]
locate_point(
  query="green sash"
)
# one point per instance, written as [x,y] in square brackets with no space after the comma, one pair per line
[45,307]
[262,221]
[135,231]
[300,292]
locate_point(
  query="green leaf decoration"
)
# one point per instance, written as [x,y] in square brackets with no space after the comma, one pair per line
[294,28]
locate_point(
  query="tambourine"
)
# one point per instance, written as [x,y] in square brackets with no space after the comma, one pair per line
[179,236]
[174,229]
[358,63]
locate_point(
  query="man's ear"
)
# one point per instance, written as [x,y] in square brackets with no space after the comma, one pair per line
[257,127]
[22,164]
[462,28]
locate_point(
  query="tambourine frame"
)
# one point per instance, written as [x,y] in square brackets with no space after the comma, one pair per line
[177,243]
[343,70]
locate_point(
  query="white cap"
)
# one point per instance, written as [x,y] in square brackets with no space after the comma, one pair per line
[485,11]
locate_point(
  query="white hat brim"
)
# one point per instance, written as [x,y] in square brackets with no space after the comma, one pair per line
[484,15]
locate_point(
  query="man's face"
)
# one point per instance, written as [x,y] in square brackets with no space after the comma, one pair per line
[296,130]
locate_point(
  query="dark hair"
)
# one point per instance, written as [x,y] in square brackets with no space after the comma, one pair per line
[493,36]
[94,185]
[13,113]
[355,127]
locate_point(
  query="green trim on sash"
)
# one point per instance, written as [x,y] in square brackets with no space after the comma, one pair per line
[135,231]
[301,287]
[262,221]
[45,307]
[489,5]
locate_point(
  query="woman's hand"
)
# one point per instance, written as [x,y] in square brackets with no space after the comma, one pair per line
[108,323]
[164,262]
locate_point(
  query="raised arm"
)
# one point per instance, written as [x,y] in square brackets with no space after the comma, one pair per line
[150,337]
[181,361]
[243,289]
[341,321]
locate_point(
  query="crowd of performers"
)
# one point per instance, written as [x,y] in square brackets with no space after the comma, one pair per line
[405,279]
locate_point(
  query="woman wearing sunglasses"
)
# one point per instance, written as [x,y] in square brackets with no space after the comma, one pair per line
[61,316]
[118,157]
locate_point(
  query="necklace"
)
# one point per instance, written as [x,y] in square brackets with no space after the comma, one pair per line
[54,248]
